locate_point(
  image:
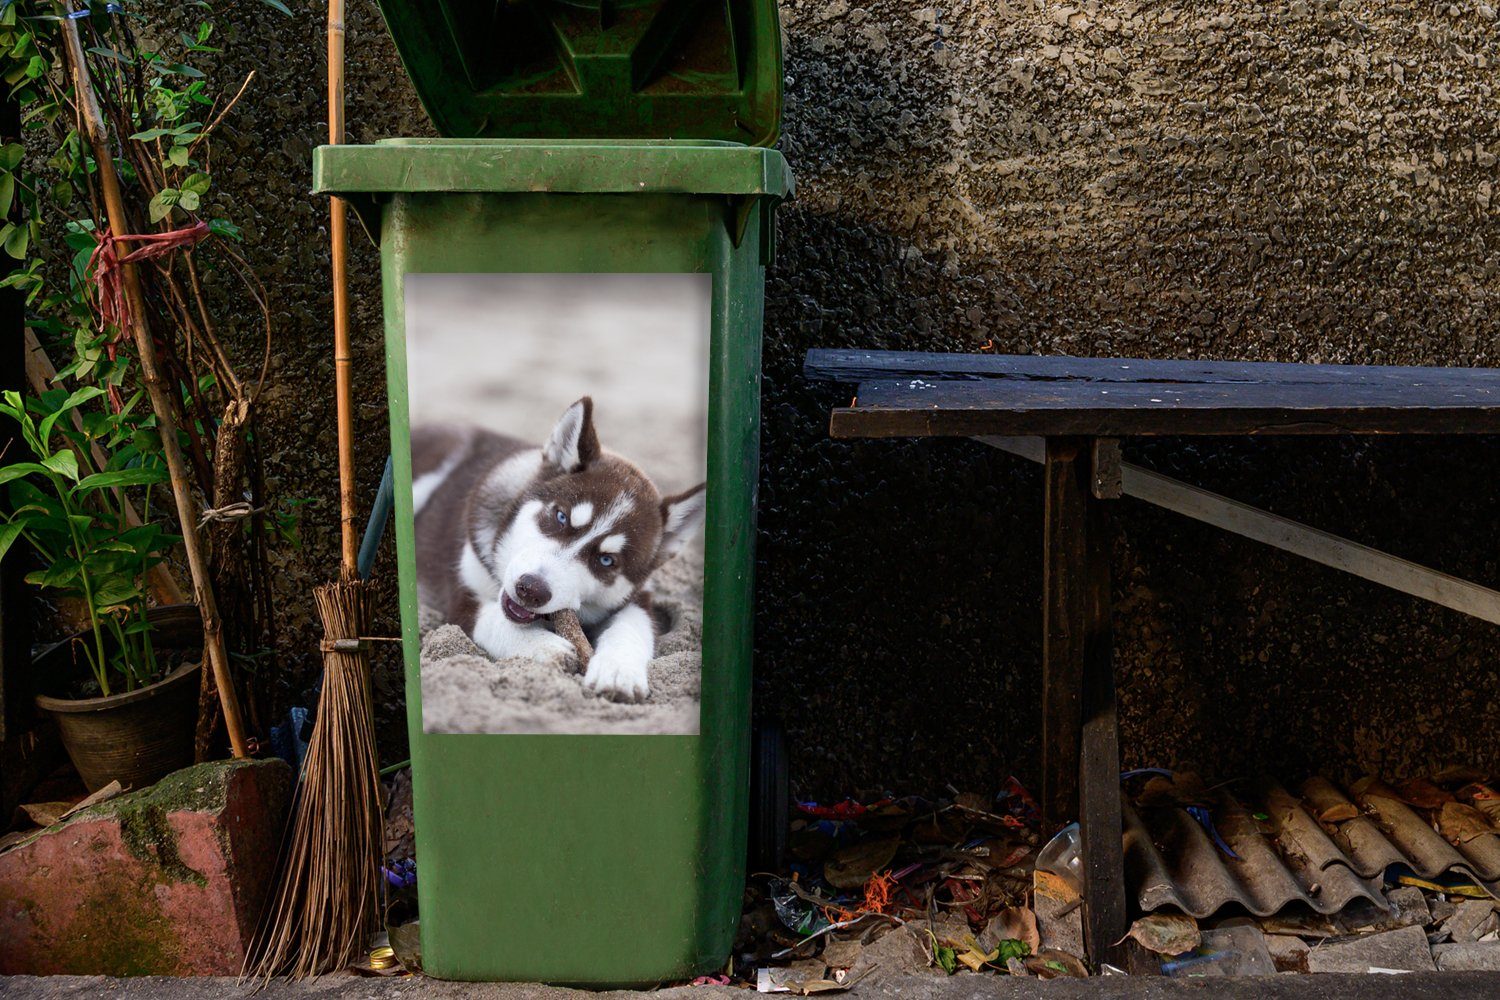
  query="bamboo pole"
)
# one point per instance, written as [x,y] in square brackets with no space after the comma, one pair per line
[343,360]
[40,372]
[161,401]
[327,902]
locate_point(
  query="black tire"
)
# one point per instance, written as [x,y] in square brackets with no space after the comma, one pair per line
[770,797]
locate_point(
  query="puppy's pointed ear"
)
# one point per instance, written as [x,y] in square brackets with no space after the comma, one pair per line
[681,517]
[573,443]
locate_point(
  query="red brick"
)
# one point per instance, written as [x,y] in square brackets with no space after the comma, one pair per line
[166,881]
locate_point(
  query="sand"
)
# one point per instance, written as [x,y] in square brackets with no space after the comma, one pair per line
[465,691]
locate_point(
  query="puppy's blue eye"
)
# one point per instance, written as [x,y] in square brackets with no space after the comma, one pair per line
[562,516]
[606,560]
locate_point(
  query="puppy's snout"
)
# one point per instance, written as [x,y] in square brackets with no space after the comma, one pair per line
[532,591]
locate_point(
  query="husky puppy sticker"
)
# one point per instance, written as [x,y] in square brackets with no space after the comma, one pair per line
[509,533]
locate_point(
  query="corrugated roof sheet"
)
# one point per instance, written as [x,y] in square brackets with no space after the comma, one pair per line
[1324,848]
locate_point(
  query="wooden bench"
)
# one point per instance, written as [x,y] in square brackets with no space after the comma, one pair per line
[1069,414]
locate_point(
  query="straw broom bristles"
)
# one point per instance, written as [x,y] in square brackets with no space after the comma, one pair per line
[327,899]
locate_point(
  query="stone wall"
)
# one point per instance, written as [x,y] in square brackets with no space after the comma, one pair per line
[1298,181]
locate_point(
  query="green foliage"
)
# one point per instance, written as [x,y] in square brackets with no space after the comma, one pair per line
[162,110]
[74,517]
[169,109]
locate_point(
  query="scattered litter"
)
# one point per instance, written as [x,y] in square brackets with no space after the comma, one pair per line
[1238,950]
[889,885]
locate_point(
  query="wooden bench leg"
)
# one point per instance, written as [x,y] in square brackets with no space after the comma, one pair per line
[1100,826]
[1080,735]
[1064,587]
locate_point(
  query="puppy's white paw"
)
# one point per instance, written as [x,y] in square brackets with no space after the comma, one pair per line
[617,675]
[555,651]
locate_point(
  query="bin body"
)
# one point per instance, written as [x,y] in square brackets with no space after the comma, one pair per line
[585,859]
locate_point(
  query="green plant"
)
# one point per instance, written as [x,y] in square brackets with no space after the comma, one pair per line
[75,517]
[208,314]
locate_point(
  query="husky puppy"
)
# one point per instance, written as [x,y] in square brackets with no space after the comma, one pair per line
[508,533]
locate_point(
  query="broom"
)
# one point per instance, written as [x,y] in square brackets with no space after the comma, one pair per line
[327,902]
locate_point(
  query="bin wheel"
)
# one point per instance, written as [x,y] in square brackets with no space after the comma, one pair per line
[770,793]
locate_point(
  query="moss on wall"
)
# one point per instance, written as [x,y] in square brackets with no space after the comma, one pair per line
[1304,181]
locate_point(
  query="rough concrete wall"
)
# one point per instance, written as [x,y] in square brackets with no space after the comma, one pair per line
[1301,181]
[1281,181]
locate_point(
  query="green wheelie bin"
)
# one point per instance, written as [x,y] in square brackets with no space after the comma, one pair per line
[573,287]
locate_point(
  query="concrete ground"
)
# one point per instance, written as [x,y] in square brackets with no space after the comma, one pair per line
[1416,986]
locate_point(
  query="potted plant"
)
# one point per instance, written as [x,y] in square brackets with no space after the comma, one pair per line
[124,689]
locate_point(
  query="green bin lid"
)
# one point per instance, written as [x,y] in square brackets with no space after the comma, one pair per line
[588,69]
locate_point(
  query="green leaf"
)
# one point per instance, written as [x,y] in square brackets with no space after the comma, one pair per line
[153,133]
[161,205]
[198,183]
[106,52]
[223,227]
[7,192]
[1011,948]
[188,201]
[20,469]
[11,155]
[277,5]
[77,398]
[177,156]
[59,574]
[17,241]
[122,477]
[9,532]
[117,591]
[80,235]
[64,463]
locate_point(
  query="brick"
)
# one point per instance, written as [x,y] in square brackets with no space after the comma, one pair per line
[169,880]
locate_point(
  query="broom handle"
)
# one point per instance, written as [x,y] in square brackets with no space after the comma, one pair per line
[161,403]
[339,254]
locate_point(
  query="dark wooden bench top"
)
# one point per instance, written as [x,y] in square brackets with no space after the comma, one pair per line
[901,394]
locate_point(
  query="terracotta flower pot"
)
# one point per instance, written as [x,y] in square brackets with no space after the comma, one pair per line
[136,737]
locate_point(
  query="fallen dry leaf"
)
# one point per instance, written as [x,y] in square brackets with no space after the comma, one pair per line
[1338,812]
[1460,824]
[1166,933]
[1423,794]
[1458,774]
[104,794]
[1014,923]
[1484,798]
[1052,964]
[851,867]
[45,813]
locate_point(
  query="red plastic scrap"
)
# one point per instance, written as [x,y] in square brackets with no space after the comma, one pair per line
[845,810]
